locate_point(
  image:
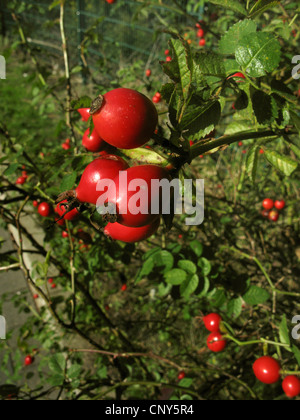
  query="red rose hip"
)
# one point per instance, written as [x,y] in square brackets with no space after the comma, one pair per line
[44,209]
[212,322]
[291,386]
[215,342]
[126,234]
[267,370]
[268,204]
[125,119]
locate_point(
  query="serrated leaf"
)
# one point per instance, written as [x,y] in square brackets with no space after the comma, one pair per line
[68,181]
[256,295]
[262,6]
[210,64]
[251,163]
[200,120]
[57,364]
[234,308]
[264,107]
[185,65]
[230,41]
[74,371]
[284,333]
[258,54]
[284,164]
[189,286]
[175,276]
[234,5]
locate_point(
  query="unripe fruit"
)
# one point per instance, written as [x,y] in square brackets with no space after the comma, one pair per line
[212,322]
[291,386]
[215,342]
[267,370]
[44,209]
[126,234]
[92,143]
[268,204]
[126,118]
[106,167]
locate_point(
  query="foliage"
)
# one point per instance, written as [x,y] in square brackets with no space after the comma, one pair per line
[91,339]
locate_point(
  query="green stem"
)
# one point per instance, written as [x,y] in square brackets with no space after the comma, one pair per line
[202,148]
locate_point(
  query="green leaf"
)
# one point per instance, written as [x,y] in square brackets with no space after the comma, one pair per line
[262,6]
[181,53]
[145,270]
[189,286]
[205,266]
[210,64]
[11,169]
[284,164]
[164,260]
[206,286]
[258,54]
[74,371]
[141,155]
[68,182]
[251,162]
[83,102]
[256,295]
[230,41]
[296,352]
[175,276]
[198,121]
[264,107]
[196,247]
[284,333]
[56,380]
[186,382]
[57,364]
[187,266]
[234,5]
[234,308]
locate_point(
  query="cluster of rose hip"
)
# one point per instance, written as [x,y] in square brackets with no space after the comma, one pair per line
[269,211]
[123,119]
[266,369]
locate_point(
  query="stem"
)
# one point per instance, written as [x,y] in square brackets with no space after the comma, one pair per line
[202,147]
[10,267]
